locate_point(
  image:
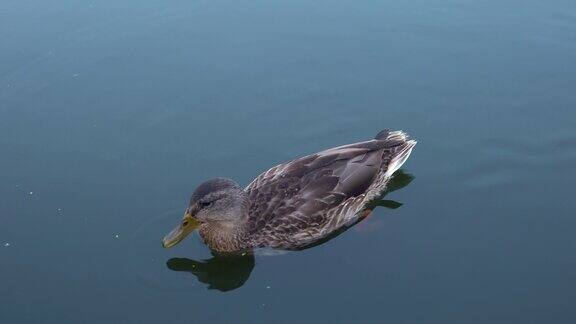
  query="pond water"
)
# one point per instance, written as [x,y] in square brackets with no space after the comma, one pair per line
[111,112]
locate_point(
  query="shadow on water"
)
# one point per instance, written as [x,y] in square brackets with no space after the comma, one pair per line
[225,273]
[218,272]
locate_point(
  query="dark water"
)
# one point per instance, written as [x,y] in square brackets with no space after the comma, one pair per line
[111,112]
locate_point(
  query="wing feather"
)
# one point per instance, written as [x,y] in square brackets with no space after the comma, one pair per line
[295,193]
[307,198]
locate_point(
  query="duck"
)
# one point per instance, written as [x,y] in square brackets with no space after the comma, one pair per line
[296,203]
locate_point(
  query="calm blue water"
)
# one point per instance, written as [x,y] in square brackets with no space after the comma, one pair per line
[111,112]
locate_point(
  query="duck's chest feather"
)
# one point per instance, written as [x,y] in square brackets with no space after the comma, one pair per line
[224,238]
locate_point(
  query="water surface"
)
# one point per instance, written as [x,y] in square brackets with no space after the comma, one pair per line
[111,112]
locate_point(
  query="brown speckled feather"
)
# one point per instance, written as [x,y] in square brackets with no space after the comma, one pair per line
[301,201]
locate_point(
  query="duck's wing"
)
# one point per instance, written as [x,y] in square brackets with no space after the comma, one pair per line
[295,197]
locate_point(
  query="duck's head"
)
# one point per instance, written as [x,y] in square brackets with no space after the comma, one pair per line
[217,201]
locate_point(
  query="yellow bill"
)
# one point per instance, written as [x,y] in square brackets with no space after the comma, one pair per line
[187,226]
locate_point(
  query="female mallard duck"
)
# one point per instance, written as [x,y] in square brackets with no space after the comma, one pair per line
[296,203]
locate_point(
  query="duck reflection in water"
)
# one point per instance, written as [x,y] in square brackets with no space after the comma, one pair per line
[223,273]
[229,272]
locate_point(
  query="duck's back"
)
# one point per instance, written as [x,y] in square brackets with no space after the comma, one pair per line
[299,202]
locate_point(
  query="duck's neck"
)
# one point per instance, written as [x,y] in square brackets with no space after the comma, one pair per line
[228,235]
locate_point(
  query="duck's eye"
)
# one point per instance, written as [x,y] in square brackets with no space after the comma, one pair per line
[204,204]
[184,223]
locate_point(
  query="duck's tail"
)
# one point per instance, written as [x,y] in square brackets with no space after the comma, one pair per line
[400,153]
[400,157]
[396,147]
